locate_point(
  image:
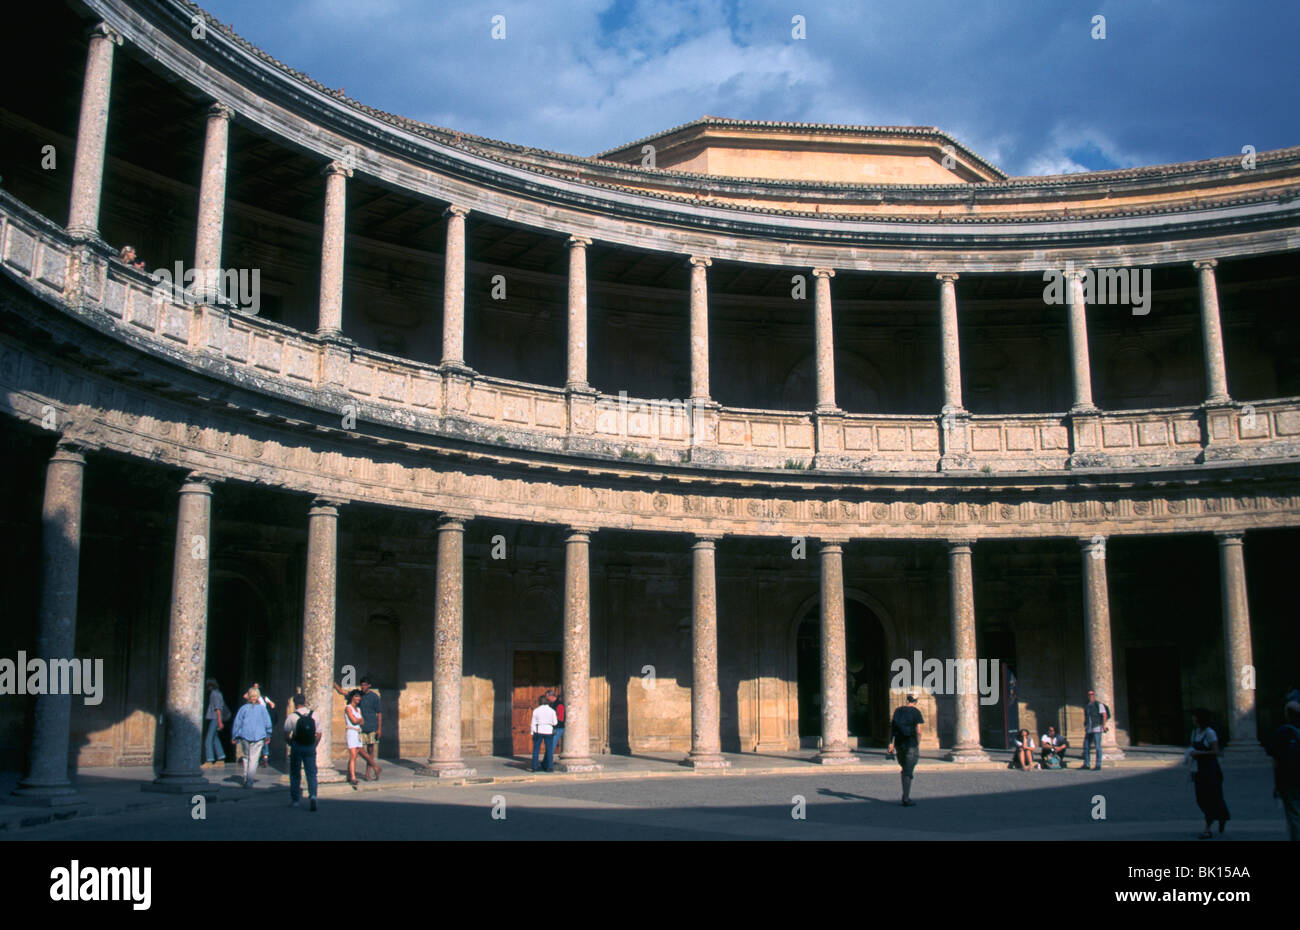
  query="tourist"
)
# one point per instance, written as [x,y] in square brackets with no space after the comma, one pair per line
[353,720]
[543,730]
[372,725]
[1095,715]
[1023,753]
[128,257]
[252,729]
[905,740]
[1285,750]
[301,734]
[1052,754]
[218,716]
[557,705]
[1208,777]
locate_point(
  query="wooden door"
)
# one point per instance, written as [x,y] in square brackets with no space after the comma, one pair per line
[534,674]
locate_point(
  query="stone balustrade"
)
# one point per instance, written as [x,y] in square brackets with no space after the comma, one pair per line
[366,388]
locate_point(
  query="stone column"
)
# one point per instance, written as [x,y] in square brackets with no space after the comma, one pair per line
[825,340]
[47,773]
[92,132]
[1099,656]
[835,687]
[699,329]
[1216,373]
[706,713]
[1080,366]
[966,745]
[448,628]
[453,291]
[1242,731]
[577,377]
[333,233]
[318,627]
[187,640]
[577,653]
[212,204]
[949,344]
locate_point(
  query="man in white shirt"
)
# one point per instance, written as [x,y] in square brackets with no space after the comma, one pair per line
[1054,746]
[544,721]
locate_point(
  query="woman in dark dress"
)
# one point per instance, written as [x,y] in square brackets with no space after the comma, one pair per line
[1209,777]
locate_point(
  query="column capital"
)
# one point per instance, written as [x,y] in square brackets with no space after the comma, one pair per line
[456,210]
[578,242]
[1075,274]
[337,167]
[218,110]
[700,261]
[578,533]
[325,506]
[1201,264]
[947,277]
[198,482]
[962,544]
[823,272]
[1092,544]
[832,543]
[1230,537]
[69,450]
[104,30]
[705,540]
[453,521]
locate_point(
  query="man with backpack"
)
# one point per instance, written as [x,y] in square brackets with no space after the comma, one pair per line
[301,734]
[905,740]
[557,705]
[1285,750]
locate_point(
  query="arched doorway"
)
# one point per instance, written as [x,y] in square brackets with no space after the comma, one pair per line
[867,674]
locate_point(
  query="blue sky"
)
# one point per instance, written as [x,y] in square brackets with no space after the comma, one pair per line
[1021,82]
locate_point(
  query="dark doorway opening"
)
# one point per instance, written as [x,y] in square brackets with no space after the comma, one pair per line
[867,675]
[1155,696]
[239,647]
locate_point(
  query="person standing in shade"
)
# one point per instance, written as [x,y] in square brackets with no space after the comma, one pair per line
[905,740]
[252,729]
[218,716]
[1208,778]
[543,730]
[1095,715]
[302,736]
[557,705]
[372,725]
[1285,750]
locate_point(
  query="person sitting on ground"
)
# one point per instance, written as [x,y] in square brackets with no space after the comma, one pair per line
[1053,749]
[1023,758]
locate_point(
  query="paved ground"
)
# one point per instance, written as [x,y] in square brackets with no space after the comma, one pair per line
[1141,802]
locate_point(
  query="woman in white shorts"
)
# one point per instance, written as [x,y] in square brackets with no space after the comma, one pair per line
[352,721]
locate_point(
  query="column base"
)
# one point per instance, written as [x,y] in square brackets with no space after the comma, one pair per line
[329,775]
[1085,410]
[1112,754]
[965,756]
[836,757]
[706,760]
[584,764]
[957,461]
[46,795]
[453,769]
[457,366]
[184,783]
